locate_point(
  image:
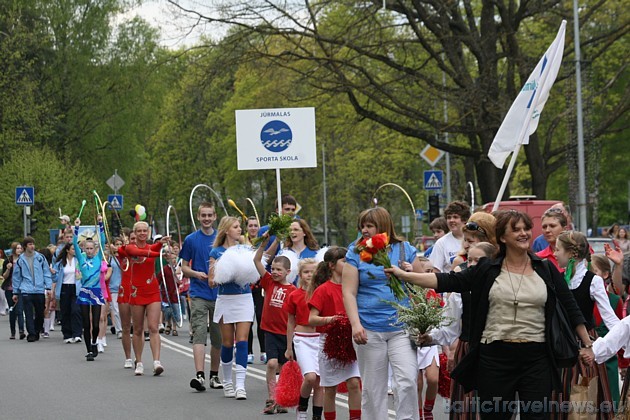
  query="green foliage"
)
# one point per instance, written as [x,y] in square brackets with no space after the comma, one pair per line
[59,184]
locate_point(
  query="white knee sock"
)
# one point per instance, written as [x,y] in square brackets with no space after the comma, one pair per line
[240,375]
[226,368]
[46,325]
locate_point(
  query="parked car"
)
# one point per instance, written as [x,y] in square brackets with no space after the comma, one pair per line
[526,204]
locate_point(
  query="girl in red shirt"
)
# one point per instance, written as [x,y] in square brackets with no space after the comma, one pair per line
[305,339]
[326,302]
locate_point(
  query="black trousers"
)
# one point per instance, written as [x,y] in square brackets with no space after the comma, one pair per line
[506,369]
[259,301]
[34,313]
[71,323]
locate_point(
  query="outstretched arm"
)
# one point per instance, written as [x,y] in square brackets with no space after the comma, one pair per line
[421,279]
[258,255]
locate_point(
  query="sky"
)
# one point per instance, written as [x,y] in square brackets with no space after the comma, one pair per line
[173,24]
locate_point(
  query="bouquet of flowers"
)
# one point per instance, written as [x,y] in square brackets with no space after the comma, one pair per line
[279,225]
[425,311]
[374,250]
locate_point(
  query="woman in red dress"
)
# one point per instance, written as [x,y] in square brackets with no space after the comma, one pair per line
[145,297]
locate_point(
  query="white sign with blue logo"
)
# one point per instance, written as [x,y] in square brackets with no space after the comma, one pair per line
[433,180]
[276,138]
[24,196]
[116,201]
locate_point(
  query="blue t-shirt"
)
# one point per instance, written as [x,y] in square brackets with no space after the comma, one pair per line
[116,277]
[196,251]
[540,243]
[228,288]
[373,292]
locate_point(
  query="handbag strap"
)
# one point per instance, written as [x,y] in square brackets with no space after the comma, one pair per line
[401,253]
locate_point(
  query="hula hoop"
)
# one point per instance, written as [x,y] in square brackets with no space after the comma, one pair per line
[101,211]
[180,323]
[254,208]
[391,184]
[192,216]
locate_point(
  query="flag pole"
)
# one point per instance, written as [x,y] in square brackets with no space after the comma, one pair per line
[506,178]
[507,136]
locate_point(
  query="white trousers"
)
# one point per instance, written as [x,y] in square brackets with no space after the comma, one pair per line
[115,313]
[373,358]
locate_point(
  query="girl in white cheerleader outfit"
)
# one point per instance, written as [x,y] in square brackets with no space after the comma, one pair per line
[326,303]
[305,341]
[234,312]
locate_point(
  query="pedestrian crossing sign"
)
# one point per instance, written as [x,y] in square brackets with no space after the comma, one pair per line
[433,180]
[116,201]
[24,196]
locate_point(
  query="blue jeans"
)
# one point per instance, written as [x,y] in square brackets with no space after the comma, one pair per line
[34,313]
[16,313]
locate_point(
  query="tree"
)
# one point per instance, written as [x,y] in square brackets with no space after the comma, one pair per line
[59,184]
[25,115]
[397,66]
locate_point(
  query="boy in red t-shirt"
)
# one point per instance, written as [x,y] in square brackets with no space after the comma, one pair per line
[274,318]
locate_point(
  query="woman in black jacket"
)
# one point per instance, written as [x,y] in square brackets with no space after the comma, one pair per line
[513,300]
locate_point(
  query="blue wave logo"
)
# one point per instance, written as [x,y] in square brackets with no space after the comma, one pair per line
[276,136]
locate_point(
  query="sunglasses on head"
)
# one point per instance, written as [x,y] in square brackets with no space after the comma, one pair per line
[473,226]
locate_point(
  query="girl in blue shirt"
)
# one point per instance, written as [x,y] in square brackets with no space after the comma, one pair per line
[234,312]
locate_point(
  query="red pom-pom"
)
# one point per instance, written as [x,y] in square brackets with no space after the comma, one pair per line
[289,384]
[342,388]
[444,381]
[338,346]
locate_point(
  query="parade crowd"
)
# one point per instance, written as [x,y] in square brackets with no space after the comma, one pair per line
[501,289]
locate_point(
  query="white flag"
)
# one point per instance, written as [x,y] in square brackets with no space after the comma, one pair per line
[522,118]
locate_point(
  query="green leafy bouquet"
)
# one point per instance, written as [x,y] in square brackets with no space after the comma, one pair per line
[279,225]
[425,311]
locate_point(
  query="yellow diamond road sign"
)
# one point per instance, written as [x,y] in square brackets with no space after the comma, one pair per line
[431,154]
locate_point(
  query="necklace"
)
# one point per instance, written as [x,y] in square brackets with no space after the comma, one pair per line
[515,292]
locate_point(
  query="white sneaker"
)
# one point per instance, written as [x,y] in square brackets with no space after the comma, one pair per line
[104,341]
[119,335]
[241,394]
[77,339]
[139,369]
[128,364]
[100,347]
[157,368]
[228,390]
[302,415]
[69,340]
[52,328]
[161,328]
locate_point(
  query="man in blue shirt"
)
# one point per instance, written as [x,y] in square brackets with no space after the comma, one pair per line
[195,254]
[289,205]
[31,281]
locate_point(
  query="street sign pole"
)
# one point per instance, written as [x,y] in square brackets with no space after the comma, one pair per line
[24,213]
